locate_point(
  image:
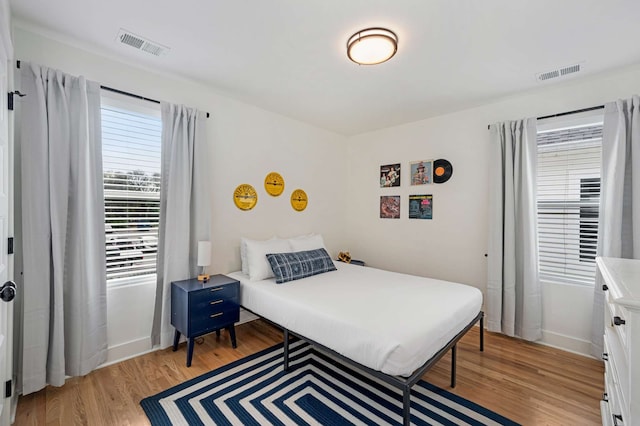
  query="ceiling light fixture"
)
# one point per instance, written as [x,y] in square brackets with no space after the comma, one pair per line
[372,46]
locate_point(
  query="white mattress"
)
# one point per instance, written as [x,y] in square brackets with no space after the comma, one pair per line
[387,321]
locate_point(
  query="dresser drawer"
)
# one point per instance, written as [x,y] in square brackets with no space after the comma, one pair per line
[612,384]
[605,414]
[618,362]
[613,311]
[201,323]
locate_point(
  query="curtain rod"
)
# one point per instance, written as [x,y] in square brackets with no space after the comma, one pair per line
[121,92]
[560,114]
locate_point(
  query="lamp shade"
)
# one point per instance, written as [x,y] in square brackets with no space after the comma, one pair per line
[204,253]
[372,46]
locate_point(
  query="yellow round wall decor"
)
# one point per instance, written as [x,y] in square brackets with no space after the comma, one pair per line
[245,197]
[274,184]
[299,200]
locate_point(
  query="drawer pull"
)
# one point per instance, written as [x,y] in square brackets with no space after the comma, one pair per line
[605,356]
[217,289]
[605,397]
[215,302]
[619,321]
[604,287]
[617,417]
[215,315]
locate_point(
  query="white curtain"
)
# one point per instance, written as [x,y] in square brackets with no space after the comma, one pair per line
[185,212]
[514,300]
[619,217]
[63,244]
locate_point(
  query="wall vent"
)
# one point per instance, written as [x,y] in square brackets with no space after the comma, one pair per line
[141,43]
[560,72]
[570,70]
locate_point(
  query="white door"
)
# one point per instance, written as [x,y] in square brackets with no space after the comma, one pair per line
[6,308]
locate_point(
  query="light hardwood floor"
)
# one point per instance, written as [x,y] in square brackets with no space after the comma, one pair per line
[528,383]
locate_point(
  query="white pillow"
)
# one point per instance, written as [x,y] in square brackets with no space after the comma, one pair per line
[243,253]
[259,267]
[307,242]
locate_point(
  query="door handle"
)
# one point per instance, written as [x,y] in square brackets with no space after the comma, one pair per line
[8,291]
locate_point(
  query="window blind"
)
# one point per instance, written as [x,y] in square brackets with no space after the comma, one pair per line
[568,194]
[131,162]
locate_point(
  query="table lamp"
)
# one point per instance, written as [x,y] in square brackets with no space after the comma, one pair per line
[204,259]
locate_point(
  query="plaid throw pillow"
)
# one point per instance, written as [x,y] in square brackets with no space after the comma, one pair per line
[301,264]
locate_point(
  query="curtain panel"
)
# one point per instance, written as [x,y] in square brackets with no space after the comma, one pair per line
[62,221]
[185,208]
[514,300]
[619,219]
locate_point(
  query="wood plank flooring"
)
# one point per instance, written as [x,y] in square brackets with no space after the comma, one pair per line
[528,383]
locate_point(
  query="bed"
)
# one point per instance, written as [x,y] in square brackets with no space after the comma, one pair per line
[394,326]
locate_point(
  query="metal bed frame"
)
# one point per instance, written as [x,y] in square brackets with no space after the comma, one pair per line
[402,383]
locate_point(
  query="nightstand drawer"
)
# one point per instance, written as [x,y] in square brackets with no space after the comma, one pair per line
[201,324]
[206,295]
[206,308]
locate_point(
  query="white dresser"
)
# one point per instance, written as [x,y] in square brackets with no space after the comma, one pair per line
[621,400]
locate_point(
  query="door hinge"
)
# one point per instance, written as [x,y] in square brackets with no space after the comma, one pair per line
[8,389]
[10,245]
[10,98]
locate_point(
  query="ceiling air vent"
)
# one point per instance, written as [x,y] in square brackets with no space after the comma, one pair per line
[141,43]
[560,72]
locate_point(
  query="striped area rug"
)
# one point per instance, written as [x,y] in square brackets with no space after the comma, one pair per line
[316,390]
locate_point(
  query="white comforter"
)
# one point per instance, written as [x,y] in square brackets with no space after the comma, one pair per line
[384,320]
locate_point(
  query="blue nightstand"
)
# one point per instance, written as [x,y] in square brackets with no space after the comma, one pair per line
[199,308]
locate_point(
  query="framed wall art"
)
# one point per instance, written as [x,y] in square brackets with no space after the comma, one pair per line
[390,207]
[421,172]
[421,206]
[390,175]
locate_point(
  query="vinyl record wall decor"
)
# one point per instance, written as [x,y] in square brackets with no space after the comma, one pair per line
[419,172]
[274,184]
[299,200]
[442,170]
[245,197]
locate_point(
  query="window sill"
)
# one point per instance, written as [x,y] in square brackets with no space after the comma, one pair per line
[566,283]
[132,281]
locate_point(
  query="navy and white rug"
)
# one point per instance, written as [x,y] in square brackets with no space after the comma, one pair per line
[316,390]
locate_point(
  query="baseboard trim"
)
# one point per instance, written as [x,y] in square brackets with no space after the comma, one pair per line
[566,343]
[246,316]
[134,348]
[128,350]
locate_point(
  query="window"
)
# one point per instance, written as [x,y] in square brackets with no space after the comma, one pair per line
[131,164]
[568,199]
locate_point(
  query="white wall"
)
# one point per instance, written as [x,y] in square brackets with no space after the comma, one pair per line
[246,143]
[453,244]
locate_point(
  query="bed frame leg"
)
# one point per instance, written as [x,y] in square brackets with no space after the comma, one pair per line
[482,333]
[406,405]
[454,349]
[286,350]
